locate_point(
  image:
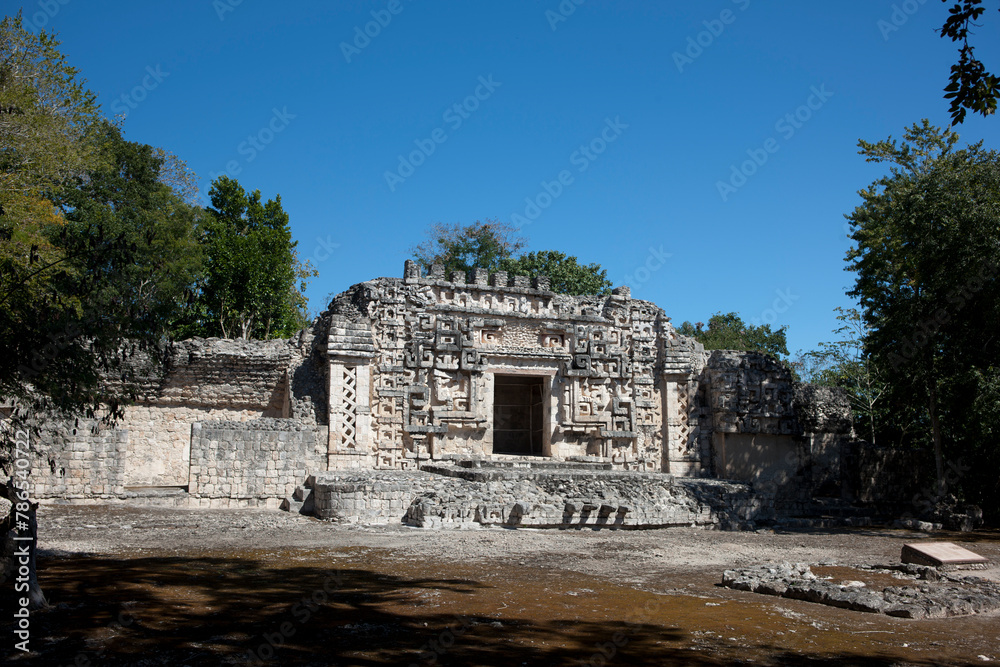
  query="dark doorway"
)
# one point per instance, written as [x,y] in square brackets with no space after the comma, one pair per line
[517,415]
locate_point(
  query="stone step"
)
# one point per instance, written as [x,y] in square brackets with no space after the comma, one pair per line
[157,496]
[823,522]
[300,503]
[533,463]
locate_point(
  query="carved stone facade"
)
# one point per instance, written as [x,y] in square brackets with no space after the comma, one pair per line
[415,366]
[419,372]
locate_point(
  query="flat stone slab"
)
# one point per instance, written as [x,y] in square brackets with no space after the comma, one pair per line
[937,554]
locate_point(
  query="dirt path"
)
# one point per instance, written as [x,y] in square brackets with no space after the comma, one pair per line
[207,586]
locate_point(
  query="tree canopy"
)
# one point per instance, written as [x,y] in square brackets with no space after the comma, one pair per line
[482,244]
[492,245]
[103,252]
[926,247]
[67,317]
[729,332]
[568,276]
[253,280]
[845,363]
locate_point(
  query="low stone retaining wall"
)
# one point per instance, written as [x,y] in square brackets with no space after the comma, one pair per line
[79,461]
[443,496]
[369,497]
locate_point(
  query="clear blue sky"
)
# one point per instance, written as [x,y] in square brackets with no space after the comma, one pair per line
[206,80]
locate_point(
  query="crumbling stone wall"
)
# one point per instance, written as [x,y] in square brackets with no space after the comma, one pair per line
[203,380]
[824,413]
[402,372]
[463,498]
[756,433]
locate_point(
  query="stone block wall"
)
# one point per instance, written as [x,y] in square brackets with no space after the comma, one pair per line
[232,374]
[824,414]
[254,463]
[158,441]
[892,480]
[370,497]
[75,461]
[413,363]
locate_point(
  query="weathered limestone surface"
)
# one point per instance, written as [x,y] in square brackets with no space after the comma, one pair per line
[404,377]
[77,461]
[453,497]
[204,380]
[932,594]
[414,362]
[255,463]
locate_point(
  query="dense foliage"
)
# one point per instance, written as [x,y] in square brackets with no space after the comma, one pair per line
[104,252]
[252,275]
[926,253]
[845,363]
[729,332]
[568,276]
[492,245]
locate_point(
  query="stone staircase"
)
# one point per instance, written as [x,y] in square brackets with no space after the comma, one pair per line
[302,500]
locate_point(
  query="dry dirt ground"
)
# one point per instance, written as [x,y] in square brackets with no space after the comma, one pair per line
[162,586]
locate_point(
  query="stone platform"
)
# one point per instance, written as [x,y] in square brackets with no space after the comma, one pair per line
[471,494]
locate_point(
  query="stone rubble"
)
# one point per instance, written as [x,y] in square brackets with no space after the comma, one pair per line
[930,593]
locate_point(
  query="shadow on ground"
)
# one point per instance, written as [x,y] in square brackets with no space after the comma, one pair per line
[327,610]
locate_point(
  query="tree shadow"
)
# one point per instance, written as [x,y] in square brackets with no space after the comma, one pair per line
[190,610]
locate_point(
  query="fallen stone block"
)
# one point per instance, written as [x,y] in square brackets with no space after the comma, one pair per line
[937,554]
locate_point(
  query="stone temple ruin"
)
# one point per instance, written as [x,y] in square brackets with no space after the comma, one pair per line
[470,400]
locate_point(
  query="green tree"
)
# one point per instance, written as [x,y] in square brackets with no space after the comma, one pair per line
[568,276]
[62,329]
[492,245]
[125,198]
[926,246]
[729,332]
[970,86]
[483,245]
[846,364]
[81,295]
[254,282]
